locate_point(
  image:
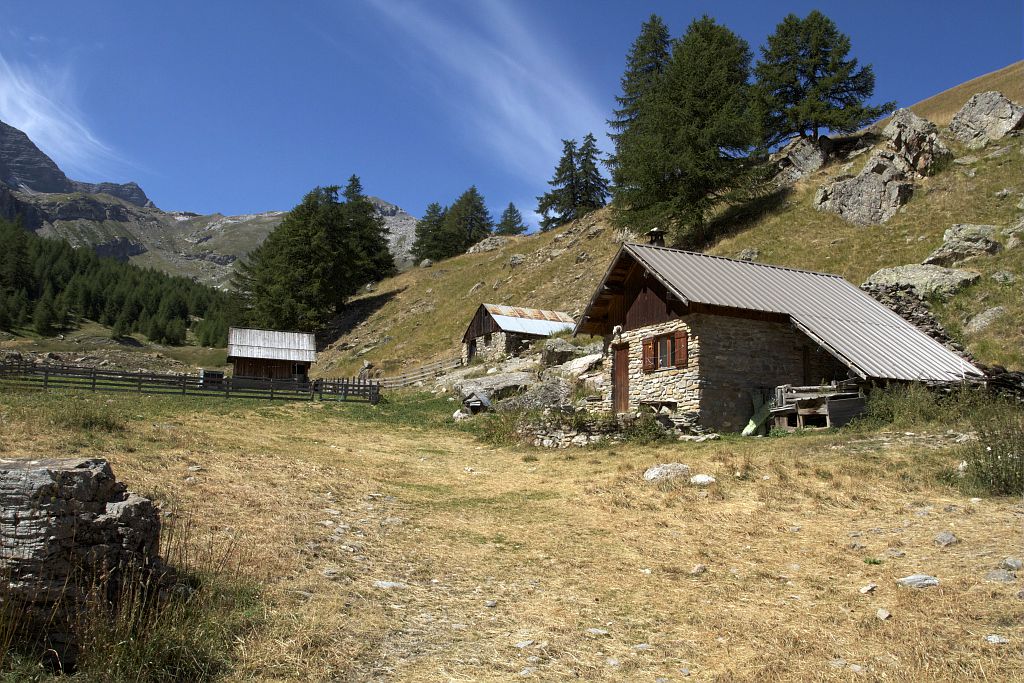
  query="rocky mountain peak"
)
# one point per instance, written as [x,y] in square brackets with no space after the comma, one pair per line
[23,166]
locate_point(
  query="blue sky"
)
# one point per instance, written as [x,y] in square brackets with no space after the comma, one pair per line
[240,107]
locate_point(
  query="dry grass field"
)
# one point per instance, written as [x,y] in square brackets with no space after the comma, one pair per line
[508,557]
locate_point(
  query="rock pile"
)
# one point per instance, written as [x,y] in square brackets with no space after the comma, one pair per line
[985,117]
[963,241]
[904,300]
[491,243]
[70,534]
[927,280]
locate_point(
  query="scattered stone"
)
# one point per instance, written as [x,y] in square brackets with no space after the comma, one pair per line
[597,632]
[527,671]
[916,143]
[945,538]
[883,614]
[491,604]
[612,661]
[838,663]
[523,644]
[1004,277]
[426,263]
[964,241]
[870,588]
[390,585]
[1011,564]
[702,480]
[871,197]
[669,470]
[1000,576]
[642,647]
[749,255]
[332,573]
[996,639]
[966,160]
[857,669]
[984,319]
[516,260]
[926,280]
[698,569]
[986,116]
[918,581]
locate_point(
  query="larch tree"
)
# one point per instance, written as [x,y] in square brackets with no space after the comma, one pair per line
[558,205]
[809,83]
[511,222]
[428,236]
[591,185]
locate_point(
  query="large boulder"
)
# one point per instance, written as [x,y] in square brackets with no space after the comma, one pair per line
[557,351]
[70,532]
[927,280]
[984,320]
[963,241]
[986,116]
[496,386]
[797,159]
[872,196]
[491,243]
[577,367]
[550,393]
[915,142]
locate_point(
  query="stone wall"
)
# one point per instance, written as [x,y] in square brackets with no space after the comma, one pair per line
[69,533]
[498,347]
[727,358]
[560,431]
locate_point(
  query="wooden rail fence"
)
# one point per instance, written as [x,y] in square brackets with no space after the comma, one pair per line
[45,377]
[420,374]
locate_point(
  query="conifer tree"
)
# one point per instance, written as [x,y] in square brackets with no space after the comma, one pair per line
[511,222]
[808,83]
[427,243]
[693,136]
[558,205]
[43,317]
[467,222]
[592,188]
[645,63]
[5,314]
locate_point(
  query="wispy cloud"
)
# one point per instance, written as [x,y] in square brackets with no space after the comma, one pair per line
[513,90]
[39,101]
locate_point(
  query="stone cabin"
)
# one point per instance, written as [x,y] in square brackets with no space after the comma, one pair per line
[499,331]
[698,334]
[269,354]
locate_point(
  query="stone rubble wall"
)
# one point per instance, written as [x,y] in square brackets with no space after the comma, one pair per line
[69,533]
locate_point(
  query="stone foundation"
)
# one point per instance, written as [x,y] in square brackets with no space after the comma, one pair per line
[69,534]
[566,432]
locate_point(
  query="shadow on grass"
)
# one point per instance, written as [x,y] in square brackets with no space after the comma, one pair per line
[354,313]
[738,218]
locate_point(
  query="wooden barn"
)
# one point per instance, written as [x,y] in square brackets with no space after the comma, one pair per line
[499,331]
[710,339]
[268,354]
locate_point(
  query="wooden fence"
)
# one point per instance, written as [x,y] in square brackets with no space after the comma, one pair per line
[420,374]
[44,377]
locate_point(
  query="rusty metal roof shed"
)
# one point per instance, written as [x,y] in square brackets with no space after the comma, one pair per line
[533,321]
[298,347]
[867,336]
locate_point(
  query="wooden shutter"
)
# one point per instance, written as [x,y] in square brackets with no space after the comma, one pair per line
[681,351]
[648,357]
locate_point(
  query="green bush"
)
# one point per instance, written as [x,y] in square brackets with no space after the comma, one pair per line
[905,406]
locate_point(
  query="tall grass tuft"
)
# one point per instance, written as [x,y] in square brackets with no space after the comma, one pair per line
[995,462]
[83,413]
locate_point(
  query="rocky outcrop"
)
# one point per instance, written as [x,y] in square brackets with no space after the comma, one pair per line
[984,320]
[492,243]
[401,227]
[119,248]
[129,192]
[964,241]
[797,159]
[557,351]
[985,117]
[550,393]
[915,142]
[496,386]
[872,196]
[23,166]
[926,280]
[70,534]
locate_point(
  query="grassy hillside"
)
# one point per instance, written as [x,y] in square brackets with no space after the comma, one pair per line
[421,315]
[940,108]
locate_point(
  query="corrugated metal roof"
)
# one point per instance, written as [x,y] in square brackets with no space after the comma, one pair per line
[531,326]
[529,313]
[271,345]
[866,335]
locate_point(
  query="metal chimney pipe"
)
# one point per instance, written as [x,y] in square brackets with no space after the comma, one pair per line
[656,237]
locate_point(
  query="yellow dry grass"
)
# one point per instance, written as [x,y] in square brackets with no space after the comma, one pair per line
[563,542]
[940,108]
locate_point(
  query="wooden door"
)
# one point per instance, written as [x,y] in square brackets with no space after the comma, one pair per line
[620,379]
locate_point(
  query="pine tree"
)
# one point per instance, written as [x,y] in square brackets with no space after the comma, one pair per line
[808,83]
[692,136]
[427,244]
[646,62]
[467,222]
[559,204]
[6,321]
[592,188]
[511,222]
[43,316]
[362,255]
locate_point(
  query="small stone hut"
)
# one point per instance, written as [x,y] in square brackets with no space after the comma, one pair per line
[498,331]
[268,354]
[693,335]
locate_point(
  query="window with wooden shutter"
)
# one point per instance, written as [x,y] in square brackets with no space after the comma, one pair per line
[681,356]
[648,355]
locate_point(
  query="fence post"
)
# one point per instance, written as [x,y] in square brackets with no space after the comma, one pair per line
[183,384]
[46,378]
[94,380]
[271,388]
[138,379]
